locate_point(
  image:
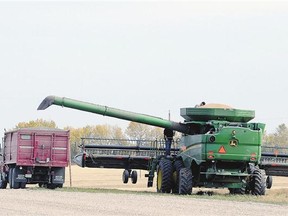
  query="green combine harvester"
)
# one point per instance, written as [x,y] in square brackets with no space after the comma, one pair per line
[219,147]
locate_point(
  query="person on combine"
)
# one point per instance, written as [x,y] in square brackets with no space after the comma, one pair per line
[168,136]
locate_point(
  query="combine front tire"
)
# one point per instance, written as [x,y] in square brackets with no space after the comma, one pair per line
[164,176]
[177,166]
[185,181]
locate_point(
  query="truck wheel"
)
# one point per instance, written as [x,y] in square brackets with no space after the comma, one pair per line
[134,177]
[15,185]
[164,176]
[51,186]
[177,166]
[10,177]
[3,182]
[125,176]
[185,181]
[23,185]
[269,181]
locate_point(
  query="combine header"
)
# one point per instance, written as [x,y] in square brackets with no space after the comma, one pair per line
[219,147]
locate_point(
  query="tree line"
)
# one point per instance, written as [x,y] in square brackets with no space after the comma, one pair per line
[134,131]
[137,131]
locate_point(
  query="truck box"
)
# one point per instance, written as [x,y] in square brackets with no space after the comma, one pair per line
[36,147]
[34,155]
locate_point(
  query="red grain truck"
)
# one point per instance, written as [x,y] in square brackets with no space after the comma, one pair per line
[34,155]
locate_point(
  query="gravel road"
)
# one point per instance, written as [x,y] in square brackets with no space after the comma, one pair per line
[53,202]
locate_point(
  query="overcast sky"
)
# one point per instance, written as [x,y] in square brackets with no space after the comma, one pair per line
[143,56]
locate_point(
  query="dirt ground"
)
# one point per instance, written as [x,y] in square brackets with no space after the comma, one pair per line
[112,179]
[33,201]
[104,178]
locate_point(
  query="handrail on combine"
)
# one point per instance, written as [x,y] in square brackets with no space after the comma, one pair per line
[132,147]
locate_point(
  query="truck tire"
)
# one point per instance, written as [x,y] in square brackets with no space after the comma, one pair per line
[185,181]
[3,182]
[15,185]
[164,176]
[134,177]
[51,186]
[23,185]
[10,177]
[177,166]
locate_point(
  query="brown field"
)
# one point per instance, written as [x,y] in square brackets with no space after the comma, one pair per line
[104,179]
[112,179]
[87,201]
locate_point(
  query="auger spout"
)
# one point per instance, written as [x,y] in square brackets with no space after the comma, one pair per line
[113,112]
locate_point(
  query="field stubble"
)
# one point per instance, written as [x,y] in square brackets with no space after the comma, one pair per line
[107,179]
[101,192]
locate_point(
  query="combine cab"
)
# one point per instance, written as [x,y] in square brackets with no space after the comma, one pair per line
[219,147]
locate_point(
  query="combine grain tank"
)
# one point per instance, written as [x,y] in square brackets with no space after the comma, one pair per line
[30,156]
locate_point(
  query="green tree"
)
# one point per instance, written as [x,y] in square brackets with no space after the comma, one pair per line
[97,131]
[280,136]
[36,123]
[142,131]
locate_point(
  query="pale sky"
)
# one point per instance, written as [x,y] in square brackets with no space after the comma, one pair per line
[144,56]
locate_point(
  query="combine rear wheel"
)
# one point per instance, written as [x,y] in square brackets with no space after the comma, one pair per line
[164,176]
[258,183]
[185,181]
[238,191]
